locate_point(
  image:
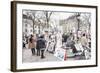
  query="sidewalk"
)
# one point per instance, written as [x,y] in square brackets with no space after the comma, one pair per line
[27,57]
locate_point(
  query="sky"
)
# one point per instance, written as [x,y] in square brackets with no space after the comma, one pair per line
[61,15]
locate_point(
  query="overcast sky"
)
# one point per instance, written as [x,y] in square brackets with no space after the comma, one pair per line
[61,15]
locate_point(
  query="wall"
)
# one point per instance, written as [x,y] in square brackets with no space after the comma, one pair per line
[5,36]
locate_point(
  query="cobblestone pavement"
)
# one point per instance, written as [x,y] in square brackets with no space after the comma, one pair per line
[28,57]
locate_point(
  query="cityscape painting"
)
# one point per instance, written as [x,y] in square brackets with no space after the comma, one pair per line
[48,36]
[66,36]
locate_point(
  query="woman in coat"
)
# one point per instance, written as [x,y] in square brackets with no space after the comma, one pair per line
[32,44]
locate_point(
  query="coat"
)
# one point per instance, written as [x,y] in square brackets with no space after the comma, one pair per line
[84,41]
[32,44]
[40,44]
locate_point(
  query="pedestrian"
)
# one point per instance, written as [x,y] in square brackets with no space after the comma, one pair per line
[24,43]
[47,39]
[84,43]
[84,40]
[32,44]
[37,45]
[26,38]
[64,38]
[41,46]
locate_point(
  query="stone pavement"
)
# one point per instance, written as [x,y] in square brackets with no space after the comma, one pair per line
[27,57]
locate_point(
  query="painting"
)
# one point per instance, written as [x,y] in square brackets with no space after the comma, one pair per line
[52,36]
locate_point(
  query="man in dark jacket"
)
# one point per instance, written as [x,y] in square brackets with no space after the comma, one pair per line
[41,46]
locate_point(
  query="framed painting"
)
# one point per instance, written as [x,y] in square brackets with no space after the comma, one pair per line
[47,36]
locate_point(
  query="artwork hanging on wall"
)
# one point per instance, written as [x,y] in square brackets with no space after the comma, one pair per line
[48,36]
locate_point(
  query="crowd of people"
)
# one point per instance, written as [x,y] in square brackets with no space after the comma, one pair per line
[39,43]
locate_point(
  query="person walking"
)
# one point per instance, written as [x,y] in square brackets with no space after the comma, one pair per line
[24,43]
[84,40]
[41,46]
[84,43]
[32,44]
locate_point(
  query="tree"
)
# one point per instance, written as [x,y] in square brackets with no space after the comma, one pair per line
[40,20]
[47,15]
[87,20]
[33,18]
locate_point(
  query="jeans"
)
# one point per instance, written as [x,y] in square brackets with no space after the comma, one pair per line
[42,52]
[38,52]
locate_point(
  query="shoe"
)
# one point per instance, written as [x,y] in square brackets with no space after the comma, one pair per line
[42,57]
[33,54]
